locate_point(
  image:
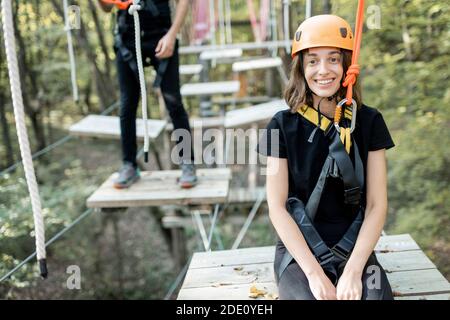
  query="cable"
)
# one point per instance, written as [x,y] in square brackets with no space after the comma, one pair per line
[53,239]
[54,144]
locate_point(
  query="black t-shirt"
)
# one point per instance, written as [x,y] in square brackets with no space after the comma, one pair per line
[151,26]
[305,162]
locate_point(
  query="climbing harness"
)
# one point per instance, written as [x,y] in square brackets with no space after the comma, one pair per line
[331,31]
[337,164]
[19,114]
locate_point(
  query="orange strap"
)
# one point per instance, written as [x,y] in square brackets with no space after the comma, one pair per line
[121,5]
[353,70]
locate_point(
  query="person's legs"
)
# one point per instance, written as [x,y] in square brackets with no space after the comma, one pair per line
[170,89]
[129,99]
[293,284]
[375,282]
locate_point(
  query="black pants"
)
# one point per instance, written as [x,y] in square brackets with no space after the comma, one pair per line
[130,94]
[293,284]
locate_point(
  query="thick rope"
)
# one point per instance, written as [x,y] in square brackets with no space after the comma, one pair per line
[73,68]
[19,114]
[133,10]
[353,70]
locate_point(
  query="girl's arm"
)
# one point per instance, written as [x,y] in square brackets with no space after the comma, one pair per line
[288,231]
[375,215]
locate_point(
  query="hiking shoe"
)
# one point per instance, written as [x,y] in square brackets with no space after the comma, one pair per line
[128,175]
[188,178]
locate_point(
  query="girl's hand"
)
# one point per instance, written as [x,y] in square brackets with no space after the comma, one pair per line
[321,287]
[349,286]
[165,46]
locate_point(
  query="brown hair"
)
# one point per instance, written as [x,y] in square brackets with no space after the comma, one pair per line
[297,92]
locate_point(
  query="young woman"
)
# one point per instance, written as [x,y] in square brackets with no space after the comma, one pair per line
[297,148]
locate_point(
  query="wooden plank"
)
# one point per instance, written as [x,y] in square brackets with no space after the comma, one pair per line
[255,64]
[444,296]
[229,275]
[404,261]
[202,123]
[230,292]
[109,127]
[257,113]
[160,188]
[400,242]
[236,257]
[210,88]
[221,54]
[418,282]
[190,69]
[242,45]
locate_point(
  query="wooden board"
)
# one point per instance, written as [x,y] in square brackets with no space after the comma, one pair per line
[202,123]
[210,88]
[190,69]
[109,127]
[242,45]
[157,188]
[255,64]
[221,54]
[254,114]
[229,274]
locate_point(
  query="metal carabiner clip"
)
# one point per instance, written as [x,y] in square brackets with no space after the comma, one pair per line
[354,109]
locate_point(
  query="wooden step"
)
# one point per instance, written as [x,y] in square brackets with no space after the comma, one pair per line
[156,188]
[258,113]
[190,69]
[264,63]
[109,127]
[229,274]
[210,88]
[221,54]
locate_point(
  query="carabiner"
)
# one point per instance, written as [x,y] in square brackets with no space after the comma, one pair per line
[354,109]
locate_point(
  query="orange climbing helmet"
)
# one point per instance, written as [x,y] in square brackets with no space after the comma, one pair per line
[323,31]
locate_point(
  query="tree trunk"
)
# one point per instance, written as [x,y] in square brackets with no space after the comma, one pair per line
[101,38]
[26,73]
[326,6]
[103,84]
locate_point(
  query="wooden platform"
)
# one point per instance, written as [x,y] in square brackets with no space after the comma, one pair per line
[109,127]
[264,63]
[254,114]
[221,54]
[190,69]
[230,274]
[157,188]
[210,88]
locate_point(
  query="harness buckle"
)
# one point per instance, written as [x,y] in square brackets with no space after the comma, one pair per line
[340,253]
[326,257]
[352,196]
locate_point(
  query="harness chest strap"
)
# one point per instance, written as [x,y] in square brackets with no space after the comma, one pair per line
[312,116]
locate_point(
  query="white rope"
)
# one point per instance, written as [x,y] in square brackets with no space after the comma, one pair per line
[73,73]
[133,10]
[19,114]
